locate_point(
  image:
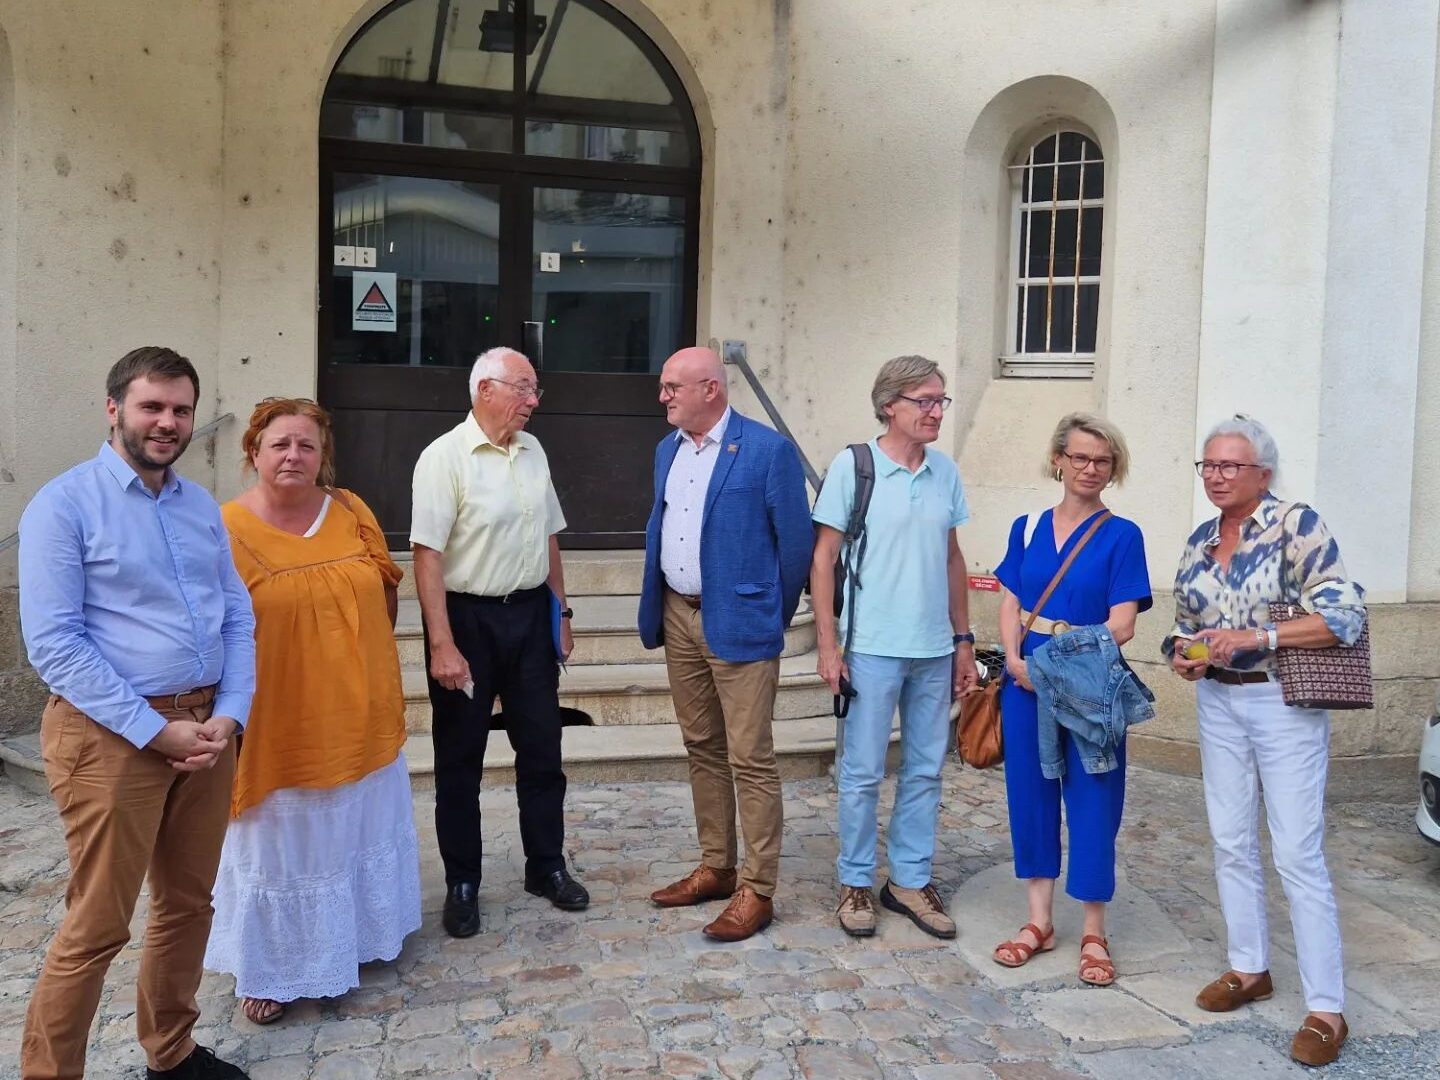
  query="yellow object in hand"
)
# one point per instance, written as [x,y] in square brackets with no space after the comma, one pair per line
[1197,650]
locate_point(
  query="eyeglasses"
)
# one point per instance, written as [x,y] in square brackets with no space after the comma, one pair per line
[670,389]
[928,404]
[523,389]
[1226,470]
[1081,462]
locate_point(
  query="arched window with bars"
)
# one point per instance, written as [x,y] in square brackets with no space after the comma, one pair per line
[1058,214]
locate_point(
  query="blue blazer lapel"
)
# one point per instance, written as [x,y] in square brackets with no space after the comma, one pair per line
[668,449]
[729,451]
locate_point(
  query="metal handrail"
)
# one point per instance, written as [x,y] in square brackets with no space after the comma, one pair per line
[200,432]
[734,353]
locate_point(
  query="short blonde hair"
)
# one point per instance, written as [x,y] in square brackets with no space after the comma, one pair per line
[898,375]
[1090,425]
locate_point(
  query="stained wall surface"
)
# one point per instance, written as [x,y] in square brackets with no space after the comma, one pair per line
[159,182]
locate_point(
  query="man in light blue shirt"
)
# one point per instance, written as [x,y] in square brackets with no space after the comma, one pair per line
[912,648]
[134,616]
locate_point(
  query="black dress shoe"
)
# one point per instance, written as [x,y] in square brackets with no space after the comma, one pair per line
[202,1064]
[462,910]
[560,889]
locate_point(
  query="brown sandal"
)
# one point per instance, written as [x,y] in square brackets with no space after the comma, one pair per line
[1105,966]
[262,1011]
[1022,949]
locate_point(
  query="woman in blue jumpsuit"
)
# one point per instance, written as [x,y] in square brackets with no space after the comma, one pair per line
[1108,583]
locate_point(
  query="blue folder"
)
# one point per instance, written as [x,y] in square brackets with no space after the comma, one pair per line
[555,627]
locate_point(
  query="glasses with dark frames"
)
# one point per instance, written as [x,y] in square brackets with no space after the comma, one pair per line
[928,404]
[1226,470]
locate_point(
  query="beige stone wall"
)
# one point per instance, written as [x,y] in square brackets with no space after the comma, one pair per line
[898,218]
[117,127]
[1424,568]
[159,175]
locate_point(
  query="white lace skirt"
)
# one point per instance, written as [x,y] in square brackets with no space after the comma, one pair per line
[314,883]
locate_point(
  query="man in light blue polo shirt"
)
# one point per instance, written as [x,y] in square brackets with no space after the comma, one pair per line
[911,613]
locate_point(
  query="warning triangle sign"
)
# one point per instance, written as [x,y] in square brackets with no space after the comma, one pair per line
[374,300]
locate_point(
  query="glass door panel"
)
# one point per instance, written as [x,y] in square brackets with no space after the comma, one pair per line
[608,273]
[416,274]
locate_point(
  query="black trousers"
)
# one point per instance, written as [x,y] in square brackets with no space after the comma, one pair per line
[511,654]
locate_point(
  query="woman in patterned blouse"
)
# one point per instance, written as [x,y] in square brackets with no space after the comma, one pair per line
[1249,738]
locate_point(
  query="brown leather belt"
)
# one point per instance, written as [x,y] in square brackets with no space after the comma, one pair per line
[186,699]
[1236,678]
[693,601]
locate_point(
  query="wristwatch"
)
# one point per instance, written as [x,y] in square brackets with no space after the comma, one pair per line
[567,613]
[967,638]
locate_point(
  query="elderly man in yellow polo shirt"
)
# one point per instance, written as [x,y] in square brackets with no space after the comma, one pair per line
[483,529]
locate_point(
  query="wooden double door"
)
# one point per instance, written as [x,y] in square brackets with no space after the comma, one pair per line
[423,268]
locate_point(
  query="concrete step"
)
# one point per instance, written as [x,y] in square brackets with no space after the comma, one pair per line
[653,753]
[587,573]
[604,628]
[630,695]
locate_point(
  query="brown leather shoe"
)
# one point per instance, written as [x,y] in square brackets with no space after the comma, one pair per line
[1225,993]
[1317,1043]
[747,914]
[703,883]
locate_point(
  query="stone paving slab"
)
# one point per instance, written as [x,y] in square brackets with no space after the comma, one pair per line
[1091,1021]
[1141,934]
[1240,1057]
[627,990]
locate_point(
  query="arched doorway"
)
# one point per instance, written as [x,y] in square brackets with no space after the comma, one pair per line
[506,172]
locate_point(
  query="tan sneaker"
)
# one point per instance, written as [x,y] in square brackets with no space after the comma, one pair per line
[856,911]
[922,906]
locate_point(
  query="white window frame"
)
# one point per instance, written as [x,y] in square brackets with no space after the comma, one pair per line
[1048,365]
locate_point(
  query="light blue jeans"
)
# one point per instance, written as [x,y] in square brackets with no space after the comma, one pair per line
[921,688]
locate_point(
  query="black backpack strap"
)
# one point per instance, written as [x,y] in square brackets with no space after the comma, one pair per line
[856,534]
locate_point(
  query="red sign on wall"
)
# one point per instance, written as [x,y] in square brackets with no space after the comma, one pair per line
[984,583]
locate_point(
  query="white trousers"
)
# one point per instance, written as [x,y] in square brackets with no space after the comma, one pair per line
[1249,740]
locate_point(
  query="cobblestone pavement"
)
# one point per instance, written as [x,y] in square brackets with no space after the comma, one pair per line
[626,990]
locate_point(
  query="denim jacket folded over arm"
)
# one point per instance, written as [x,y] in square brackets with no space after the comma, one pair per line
[1084,685]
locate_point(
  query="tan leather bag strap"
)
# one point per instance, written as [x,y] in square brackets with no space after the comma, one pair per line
[1060,575]
[340,497]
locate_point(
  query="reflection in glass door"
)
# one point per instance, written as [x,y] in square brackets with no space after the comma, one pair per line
[608,279]
[416,275]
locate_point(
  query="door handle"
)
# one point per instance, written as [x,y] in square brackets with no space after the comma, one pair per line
[534,343]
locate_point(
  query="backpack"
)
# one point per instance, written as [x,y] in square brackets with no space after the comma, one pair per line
[847,567]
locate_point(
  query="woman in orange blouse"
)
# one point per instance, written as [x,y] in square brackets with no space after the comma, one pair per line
[320,871]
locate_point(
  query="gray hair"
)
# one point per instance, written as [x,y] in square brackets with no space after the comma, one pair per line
[898,375]
[490,364]
[1267,454]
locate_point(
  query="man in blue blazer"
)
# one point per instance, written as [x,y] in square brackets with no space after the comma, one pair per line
[727,549]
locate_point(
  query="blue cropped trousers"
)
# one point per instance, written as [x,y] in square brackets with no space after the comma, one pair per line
[1093,806]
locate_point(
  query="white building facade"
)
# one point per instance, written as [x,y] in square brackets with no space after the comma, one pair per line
[1240,221]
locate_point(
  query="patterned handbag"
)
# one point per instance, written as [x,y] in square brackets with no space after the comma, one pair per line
[1335,677]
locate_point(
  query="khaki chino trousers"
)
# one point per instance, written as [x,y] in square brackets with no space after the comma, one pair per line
[725,712]
[126,812]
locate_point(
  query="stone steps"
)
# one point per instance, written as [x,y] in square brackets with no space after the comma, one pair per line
[604,629]
[630,695]
[651,752]
[622,686]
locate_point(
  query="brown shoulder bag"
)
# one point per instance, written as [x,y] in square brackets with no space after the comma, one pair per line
[977,735]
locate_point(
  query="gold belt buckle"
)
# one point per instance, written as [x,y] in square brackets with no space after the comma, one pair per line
[1060,626]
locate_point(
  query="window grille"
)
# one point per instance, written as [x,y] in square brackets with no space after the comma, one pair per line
[1059,199]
